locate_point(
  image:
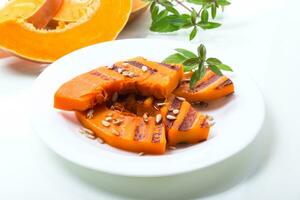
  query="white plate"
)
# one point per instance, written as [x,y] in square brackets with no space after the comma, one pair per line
[238,117]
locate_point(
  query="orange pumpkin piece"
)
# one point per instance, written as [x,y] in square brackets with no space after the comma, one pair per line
[137,75]
[125,130]
[36,12]
[183,123]
[210,87]
[21,38]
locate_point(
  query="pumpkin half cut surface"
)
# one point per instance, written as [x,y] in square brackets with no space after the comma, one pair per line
[102,22]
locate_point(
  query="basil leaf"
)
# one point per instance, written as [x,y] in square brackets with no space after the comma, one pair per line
[213,61]
[193,33]
[215,69]
[209,25]
[175,58]
[204,16]
[186,53]
[224,67]
[202,52]
[213,11]
[191,61]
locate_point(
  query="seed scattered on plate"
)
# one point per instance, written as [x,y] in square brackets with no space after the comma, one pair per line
[120,70]
[115,97]
[108,119]
[180,98]
[93,137]
[100,141]
[141,154]
[209,118]
[145,117]
[117,121]
[212,124]
[172,147]
[90,114]
[105,123]
[144,68]
[86,131]
[171,117]
[175,111]
[158,118]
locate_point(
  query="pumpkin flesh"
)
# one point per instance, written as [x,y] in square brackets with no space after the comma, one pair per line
[97,86]
[210,87]
[49,45]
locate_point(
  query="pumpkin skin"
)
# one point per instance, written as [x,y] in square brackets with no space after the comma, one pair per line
[36,12]
[17,36]
[97,86]
[210,87]
[133,134]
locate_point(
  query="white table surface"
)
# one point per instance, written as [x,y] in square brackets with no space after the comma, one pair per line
[268,34]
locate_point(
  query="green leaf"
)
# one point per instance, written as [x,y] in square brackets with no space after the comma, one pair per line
[186,53]
[194,16]
[215,69]
[187,68]
[213,11]
[191,61]
[213,61]
[209,25]
[223,2]
[224,67]
[154,11]
[198,2]
[204,16]
[193,33]
[175,58]
[197,75]
[202,52]
[169,23]
[172,10]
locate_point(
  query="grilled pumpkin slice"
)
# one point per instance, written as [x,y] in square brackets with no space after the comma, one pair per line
[137,75]
[210,87]
[125,130]
[183,123]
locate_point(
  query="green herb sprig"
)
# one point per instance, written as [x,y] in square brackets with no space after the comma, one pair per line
[197,63]
[166,18]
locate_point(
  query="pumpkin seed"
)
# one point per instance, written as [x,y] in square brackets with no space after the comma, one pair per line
[100,140]
[108,119]
[145,117]
[141,153]
[180,98]
[105,123]
[90,114]
[158,118]
[117,121]
[120,70]
[175,111]
[144,68]
[171,117]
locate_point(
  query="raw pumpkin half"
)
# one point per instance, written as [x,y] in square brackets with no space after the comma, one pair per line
[36,12]
[103,22]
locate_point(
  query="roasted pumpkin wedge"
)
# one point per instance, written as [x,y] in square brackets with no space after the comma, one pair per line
[36,12]
[23,39]
[210,87]
[183,123]
[136,75]
[125,130]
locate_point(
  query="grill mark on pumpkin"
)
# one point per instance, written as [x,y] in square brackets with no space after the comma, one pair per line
[140,65]
[188,120]
[156,137]
[138,134]
[102,75]
[206,83]
[176,104]
[224,84]
[173,67]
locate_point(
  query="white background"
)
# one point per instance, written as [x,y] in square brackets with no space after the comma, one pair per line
[264,35]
